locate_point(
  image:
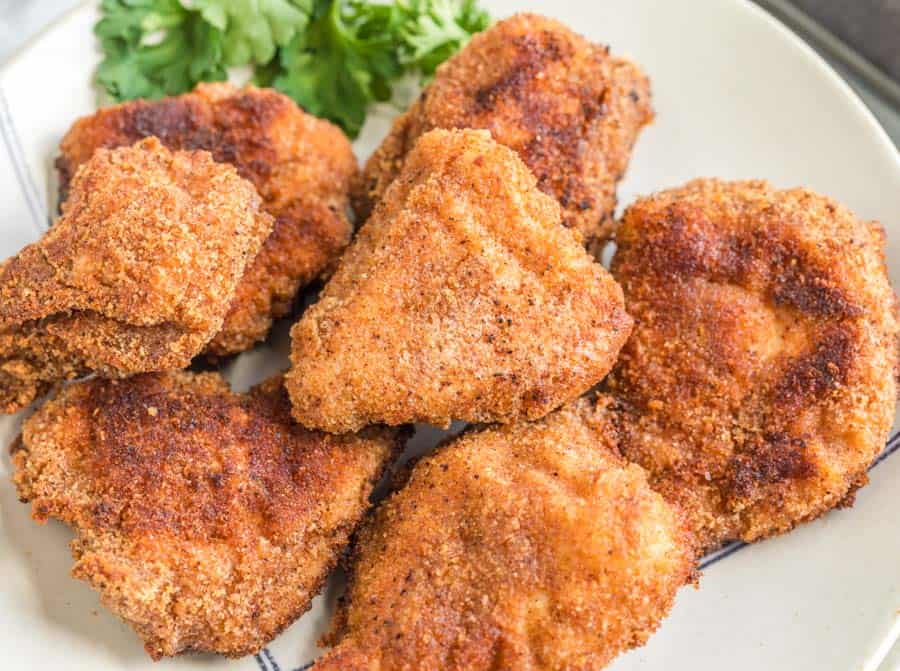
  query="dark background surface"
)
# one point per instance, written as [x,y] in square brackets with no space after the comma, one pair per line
[872,27]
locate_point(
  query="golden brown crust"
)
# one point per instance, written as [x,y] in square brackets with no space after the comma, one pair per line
[206,519]
[570,110]
[301,165]
[760,381]
[461,298]
[531,546]
[136,276]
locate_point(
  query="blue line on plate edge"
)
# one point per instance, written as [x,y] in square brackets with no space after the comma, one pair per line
[892,446]
[720,554]
[16,157]
[42,219]
[7,135]
[268,656]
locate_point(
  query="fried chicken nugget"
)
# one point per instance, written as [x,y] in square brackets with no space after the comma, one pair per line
[207,520]
[570,110]
[301,165]
[462,297]
[136,276]
[530,546]
[760,381]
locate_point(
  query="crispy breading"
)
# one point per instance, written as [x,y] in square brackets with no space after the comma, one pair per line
[530,546]
[136,276]
[568,108]
[301,165]
[462,297]
[760,380]
[207,520]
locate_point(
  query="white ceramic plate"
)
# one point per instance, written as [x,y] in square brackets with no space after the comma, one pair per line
[737,95]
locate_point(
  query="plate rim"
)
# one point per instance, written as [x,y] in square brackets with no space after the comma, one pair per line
[18,54]
[829,71]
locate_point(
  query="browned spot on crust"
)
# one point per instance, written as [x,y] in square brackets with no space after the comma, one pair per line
[812,375]
[690,246]
[302,167]
[146,440]
[533,54]
[818,296]
[774,459]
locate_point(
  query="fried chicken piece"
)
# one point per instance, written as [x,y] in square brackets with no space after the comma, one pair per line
[462,297]
[527,546]
[760,380]
[207,520]
[301,165]
[136,276]
[570,110]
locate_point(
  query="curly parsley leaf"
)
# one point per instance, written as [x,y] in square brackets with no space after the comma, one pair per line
[253,29]
[131,20]
[434,30]
[346,59]
[155,48]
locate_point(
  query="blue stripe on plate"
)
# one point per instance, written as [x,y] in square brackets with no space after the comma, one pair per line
[17,158]
[272,662]
[892,446]
[721,554]
[261,662]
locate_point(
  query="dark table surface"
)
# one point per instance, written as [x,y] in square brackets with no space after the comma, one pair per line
[872,27]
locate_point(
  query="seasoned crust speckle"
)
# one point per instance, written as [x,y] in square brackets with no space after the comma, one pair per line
[760,380]
[531,546]
[570,110]
[136,276]
[462,297]
[206,519]
[301,165]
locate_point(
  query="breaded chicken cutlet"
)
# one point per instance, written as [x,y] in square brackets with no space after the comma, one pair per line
[207,520]
[301,165]
[136,276]
[568,108]
[462,298]
[761,378]
[530,546]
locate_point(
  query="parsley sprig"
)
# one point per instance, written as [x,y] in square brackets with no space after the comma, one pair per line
[334,57]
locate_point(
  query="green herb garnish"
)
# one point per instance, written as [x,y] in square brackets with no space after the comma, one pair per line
[334,57]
